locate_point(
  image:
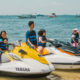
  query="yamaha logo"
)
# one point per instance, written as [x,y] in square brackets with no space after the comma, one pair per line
[22,69]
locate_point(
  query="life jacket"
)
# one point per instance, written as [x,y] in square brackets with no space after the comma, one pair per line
[32,37]
[42,44]
[3,46]
[76,38]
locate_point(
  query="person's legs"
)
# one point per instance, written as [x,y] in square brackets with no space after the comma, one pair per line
[73,44]
[40,49]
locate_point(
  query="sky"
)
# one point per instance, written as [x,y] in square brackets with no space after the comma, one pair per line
[14,7]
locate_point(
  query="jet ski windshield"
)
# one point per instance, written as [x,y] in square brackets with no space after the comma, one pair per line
[66,46]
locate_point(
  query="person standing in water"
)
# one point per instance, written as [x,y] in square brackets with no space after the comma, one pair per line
[31,39]
[75,37]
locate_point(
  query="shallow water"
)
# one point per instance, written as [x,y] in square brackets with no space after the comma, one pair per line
[57,28]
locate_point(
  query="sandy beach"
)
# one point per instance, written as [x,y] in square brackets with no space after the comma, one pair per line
[55,75]
[68,74]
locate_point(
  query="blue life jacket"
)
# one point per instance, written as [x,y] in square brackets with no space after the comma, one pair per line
[3,46]
[42,44]
[76,38]
[32,37]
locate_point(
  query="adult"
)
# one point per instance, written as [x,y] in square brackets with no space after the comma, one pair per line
[75,37]
[3,41]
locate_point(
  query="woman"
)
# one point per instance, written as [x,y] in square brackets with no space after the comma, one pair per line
[3,37]
[75,37]
[3,41]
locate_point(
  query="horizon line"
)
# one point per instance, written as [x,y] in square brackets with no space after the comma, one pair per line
[34,14]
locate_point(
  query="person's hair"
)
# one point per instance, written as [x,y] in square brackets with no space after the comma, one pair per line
[30,23]
[5,39]
[43,30]
[2,32]
[40,33]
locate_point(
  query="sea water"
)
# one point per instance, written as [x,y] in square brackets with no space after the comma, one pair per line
[56,28]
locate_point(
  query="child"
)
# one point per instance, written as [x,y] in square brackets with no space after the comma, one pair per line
[41,40]
[75,37]
[31,39]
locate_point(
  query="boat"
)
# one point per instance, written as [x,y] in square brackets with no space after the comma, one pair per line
[62,55]
[26,16]
[19,61]
[52,15]
[78,16]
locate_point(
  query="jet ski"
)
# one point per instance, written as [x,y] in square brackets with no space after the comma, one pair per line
[63,55]
[24,62]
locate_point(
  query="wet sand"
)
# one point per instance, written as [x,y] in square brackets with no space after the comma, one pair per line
[17,78]
[68,74]
[49,77]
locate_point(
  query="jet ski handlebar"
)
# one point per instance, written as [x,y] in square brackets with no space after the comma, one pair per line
[18,42]
[50,40]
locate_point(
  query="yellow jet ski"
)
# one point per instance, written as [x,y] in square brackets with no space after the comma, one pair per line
[31,62]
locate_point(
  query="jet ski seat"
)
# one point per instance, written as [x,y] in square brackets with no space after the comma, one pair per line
[45,52]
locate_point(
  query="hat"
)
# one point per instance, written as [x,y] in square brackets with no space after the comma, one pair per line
[75,29]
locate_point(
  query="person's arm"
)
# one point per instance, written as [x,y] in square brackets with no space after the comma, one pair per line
[42,41]
[40,38]
[78,37]
[30,42]
[1,40]
[73,36]
[1,49]
[27,37]
[73,40]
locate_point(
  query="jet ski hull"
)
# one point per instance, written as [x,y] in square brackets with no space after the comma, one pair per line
[66,66]
[62,60]
[3,73]
[21,68]
[63,64]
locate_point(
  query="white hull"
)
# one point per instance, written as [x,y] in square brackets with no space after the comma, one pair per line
[23,74]
[24,67]
[60,66]
[62,60]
